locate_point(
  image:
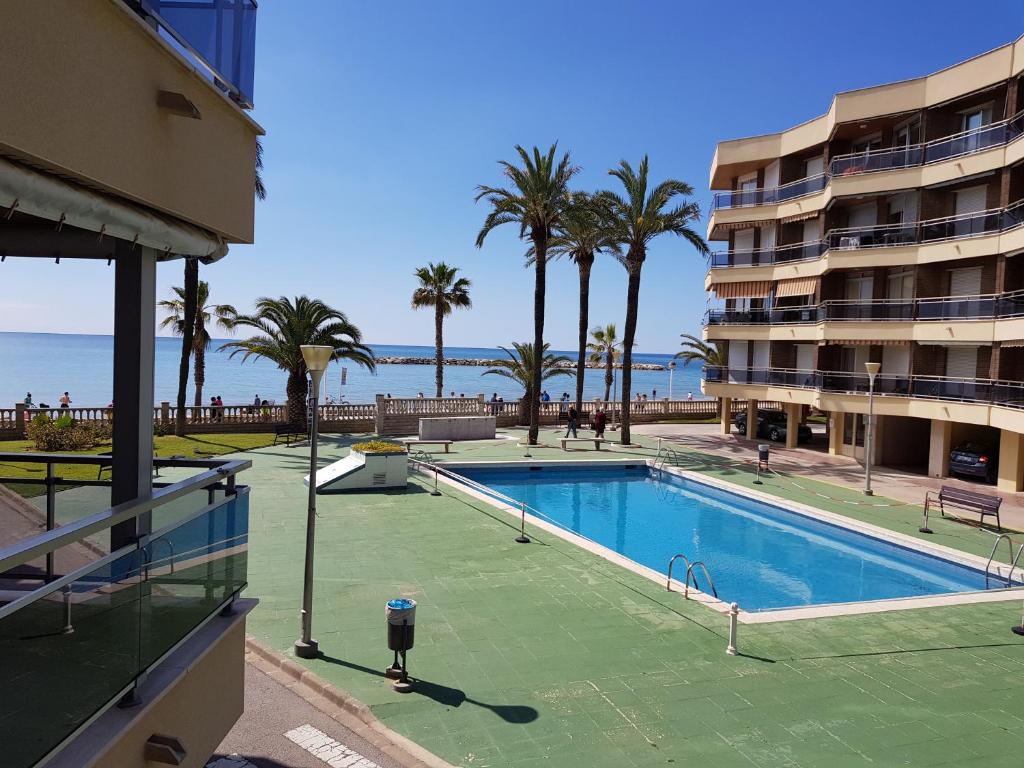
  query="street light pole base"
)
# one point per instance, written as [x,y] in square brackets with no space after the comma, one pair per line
[868,492]
[925,530]
[402,686]
[522,539]
[307,650]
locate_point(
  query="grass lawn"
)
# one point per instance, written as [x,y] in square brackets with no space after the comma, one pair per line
[190,447]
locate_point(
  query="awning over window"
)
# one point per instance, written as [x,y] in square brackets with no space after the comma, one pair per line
[1012,343]
[865,342]
[796,286]
[799,217]
[751,289]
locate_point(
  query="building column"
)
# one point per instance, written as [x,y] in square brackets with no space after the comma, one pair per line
[938,448]
[726,404]
[1011,461]
[792,424]
[751,419]
[835,433]
[134,341]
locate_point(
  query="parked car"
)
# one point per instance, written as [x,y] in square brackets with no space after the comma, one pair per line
[772,425]
[974,460]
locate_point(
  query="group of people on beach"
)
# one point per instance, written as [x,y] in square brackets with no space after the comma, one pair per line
[64,400]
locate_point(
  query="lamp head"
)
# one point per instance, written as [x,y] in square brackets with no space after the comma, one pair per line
[316,356]
[872,369]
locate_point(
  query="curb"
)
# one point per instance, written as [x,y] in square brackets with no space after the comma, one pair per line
[313,688]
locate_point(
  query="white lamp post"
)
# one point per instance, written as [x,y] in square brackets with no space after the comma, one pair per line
[671,372]
[316,357]
[872,369]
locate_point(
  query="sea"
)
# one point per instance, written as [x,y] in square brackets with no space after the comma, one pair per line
[48,364]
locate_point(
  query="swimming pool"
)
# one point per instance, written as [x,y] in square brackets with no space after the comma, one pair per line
[759,555]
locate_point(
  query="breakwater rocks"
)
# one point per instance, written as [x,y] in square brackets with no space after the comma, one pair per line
[478,363]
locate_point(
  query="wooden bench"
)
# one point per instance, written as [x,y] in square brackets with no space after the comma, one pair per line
[408,441]
[288,432]
[971,501]
[595,440]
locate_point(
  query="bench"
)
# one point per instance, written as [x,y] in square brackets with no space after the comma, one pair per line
[971,501]
[409,441]
[595,440]
[288,432]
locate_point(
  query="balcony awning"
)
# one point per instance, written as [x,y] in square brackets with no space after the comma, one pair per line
[796,286]
[799,217]
[1015,343]
[27,191]
[751,289]
[865,342]
[731,225]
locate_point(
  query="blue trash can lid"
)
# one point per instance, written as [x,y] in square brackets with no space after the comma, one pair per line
[401,603]
[401,610]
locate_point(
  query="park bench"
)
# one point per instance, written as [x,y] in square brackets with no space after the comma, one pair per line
[288,432]
[595,440]
[971,501]
[410,441]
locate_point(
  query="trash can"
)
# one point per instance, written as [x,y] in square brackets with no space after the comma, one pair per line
[401,618]
[762,453]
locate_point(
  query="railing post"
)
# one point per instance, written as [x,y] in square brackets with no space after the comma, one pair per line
[481,405]
[165,412]
[734,611]
[19,418]
[51,514]
[379,415]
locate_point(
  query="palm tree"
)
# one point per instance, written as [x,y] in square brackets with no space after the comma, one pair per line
[605,348]
[635,220]
[205,314]
[441,289]
[188,328]
[522,368]
[261,188]
[697,351]
[283,325]
[538,196]
[580,236]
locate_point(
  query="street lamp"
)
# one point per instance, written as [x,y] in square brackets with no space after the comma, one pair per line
[316,357]
[671,372]
[872,369]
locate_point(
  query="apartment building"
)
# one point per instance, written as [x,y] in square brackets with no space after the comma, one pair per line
[125,148]
[888,230]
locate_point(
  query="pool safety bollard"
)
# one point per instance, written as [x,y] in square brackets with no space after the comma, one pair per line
[522,538]
[435,492]
[1019,630]
[734,611]
[68,627]
[400,614]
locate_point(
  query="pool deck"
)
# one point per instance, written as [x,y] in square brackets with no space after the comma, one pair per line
[546,654]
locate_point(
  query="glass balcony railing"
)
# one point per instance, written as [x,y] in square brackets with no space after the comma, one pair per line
[891,158]
[75,638]
[1005,394]
[779,255]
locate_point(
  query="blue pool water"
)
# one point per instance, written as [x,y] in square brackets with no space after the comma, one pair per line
[759,555]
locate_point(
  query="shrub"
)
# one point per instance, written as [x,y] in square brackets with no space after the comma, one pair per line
[65,434]
[378,446]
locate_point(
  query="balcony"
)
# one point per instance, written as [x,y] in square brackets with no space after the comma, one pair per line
[993,392]
[81,625]
[893,158]
[966,225]
[983,307]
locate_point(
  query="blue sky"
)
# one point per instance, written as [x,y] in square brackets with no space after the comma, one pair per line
[382,118]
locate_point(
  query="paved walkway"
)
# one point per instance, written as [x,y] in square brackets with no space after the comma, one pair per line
[547,655]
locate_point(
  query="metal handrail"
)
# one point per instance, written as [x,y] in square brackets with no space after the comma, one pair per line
[668,583]
[1011,559]
[707,574]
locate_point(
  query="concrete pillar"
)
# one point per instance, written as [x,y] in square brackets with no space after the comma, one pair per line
[792,424]
[134,338]
[835,433]
[165,412]
[378,424]
[726,403]
[481,407]
[19,418]
[938,448]
[751,419]
[1011,461]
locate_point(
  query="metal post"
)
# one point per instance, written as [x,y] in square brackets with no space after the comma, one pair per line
[435,492]
[671,373]
[734,611]
[522,538]
[306,647]
[68,629]
[1019,630]
[869,437]
[51,514]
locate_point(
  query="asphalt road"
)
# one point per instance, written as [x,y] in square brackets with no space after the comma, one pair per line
[271,711]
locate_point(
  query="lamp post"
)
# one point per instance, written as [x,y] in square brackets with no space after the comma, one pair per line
[316,357]
[671,373]
[872,369]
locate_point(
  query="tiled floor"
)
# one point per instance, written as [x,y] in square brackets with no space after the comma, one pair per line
[544,654]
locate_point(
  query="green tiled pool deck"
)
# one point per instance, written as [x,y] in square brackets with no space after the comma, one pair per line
[544,654]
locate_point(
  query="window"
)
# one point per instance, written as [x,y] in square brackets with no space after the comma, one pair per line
[867,145]
[900,285]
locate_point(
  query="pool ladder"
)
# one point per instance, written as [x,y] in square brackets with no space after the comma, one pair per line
[1012,559]
[689,572]
[666,456]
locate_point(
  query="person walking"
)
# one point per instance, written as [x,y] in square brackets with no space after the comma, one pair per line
[572,419]
[65,400]
[599,421]
[28,400]
[689,395]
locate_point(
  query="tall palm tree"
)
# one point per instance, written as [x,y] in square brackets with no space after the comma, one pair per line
[522,368]
[283,325]
[605,348]
[441,289]
[580,236]
[538,196]
[205,315]
[188,322]
[696,350]
[635,219]
[261,188]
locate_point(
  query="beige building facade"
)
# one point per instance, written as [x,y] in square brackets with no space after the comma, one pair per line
[889,230]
